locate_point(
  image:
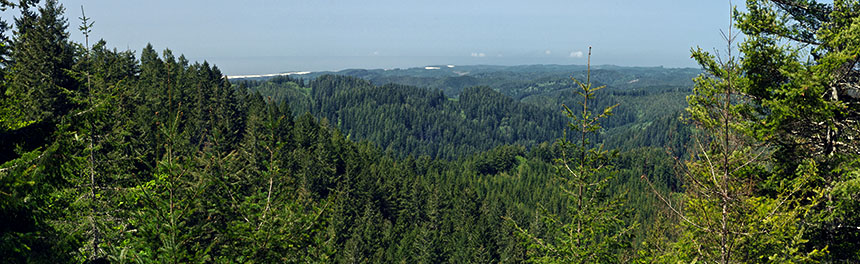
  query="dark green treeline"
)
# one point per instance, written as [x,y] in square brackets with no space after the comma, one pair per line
[108,155]
[157,159]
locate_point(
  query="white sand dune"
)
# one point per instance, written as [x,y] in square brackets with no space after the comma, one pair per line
[265,75]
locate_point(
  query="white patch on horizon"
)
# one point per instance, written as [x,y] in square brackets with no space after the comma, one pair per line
[431,68]
[479,54]
[547,52]
[266,75]
[576,54]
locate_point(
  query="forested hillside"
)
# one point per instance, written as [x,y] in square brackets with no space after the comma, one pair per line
[425,121]
[418,121]
[521,81]
[115,156]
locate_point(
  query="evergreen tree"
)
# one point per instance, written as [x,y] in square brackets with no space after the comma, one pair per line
[730,212]
[801,58]
[11,116]
[42,56]
[596,231]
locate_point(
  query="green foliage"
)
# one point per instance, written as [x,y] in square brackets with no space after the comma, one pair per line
[769,120]
[42,53]
[409,120]
[162,160]
[597,231]
[158,159]
[499,159]
[801,57]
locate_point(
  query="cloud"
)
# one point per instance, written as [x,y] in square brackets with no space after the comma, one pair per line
[376,53]
[576,54]
[478,54]
[547,52]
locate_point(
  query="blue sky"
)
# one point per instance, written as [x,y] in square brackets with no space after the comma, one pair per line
[260,36]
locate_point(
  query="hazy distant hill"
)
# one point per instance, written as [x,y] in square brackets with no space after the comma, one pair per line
[520,81]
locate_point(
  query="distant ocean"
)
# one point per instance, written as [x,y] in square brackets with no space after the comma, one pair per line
[278,64]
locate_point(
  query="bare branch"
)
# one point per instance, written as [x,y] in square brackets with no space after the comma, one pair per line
[671,207]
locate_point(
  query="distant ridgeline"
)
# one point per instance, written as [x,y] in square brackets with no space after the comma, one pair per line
[107,156]
[450,112]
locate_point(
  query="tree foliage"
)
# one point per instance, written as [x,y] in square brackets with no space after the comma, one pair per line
[597,231]
[776,123]
[113,156]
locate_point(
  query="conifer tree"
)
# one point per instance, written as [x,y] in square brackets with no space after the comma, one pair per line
[42,55]
[596,231]
[725,215]
[802,59]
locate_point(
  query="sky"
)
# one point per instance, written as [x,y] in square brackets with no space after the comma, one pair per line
[266,36]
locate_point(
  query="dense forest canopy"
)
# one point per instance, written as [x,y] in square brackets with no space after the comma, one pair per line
[120,156]
[425,120]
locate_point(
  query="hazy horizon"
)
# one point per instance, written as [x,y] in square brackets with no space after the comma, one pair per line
[263,36]
[318,64]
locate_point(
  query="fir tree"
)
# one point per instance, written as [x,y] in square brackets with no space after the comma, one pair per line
[42,56]
[596,231]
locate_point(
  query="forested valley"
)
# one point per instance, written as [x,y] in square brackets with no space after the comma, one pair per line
[110,156]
